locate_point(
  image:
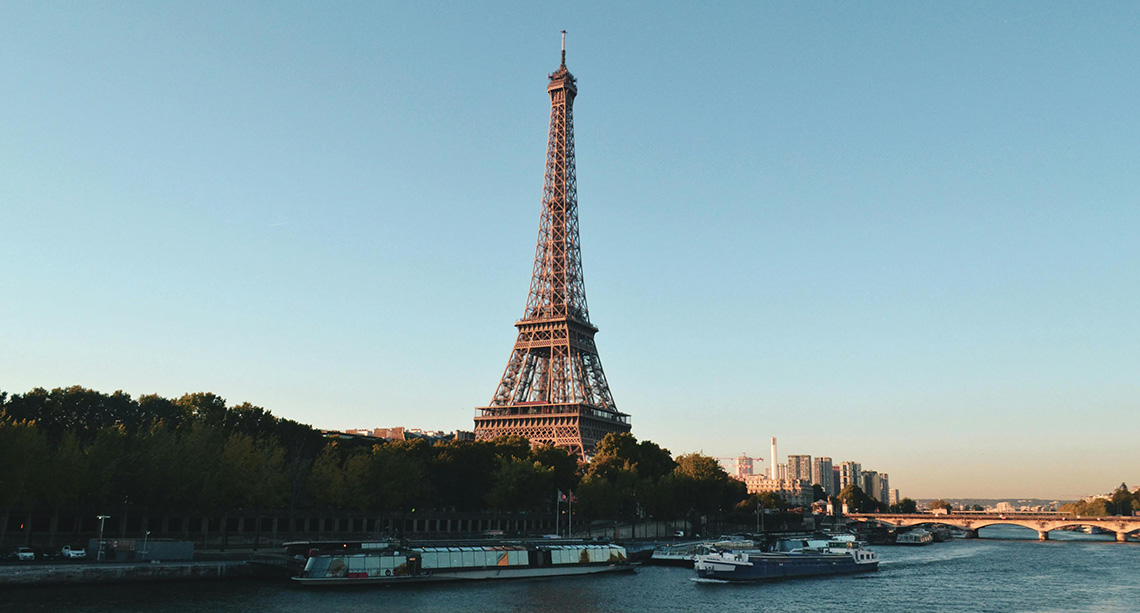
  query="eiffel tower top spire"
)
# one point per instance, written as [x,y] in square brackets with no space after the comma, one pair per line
[557,289]
[562,78]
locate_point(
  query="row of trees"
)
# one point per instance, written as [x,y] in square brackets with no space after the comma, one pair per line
[74,450]
[626,479]
[78,451]
[1121,501]
[630,480]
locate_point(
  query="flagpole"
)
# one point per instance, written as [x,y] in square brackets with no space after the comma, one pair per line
[558,512]
[570,515]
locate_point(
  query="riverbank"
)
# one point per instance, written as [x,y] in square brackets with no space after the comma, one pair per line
[116,572]
[1005,570]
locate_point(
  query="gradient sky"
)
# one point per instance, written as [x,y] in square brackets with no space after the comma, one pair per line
[898,233]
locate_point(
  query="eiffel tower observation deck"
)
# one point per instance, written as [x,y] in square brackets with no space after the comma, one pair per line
[553,390]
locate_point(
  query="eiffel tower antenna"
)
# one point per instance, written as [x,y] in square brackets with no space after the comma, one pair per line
[553,390]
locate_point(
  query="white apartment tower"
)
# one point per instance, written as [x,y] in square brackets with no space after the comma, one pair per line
[850,473]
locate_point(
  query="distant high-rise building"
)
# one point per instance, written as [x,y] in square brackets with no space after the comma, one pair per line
[835,481]
[743,465]
[876,485]
[867,481]
[850,473]
[895,497]
[799,467]
[883,488]
[821,474]
[740,466]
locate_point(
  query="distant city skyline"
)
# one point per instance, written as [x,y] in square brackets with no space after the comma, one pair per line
[901,235]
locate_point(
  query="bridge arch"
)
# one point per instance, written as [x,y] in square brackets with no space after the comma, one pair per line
[1043,523]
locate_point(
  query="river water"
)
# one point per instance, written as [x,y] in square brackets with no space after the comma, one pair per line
[1005,570]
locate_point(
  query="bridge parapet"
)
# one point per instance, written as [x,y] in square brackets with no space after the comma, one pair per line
[1043,523]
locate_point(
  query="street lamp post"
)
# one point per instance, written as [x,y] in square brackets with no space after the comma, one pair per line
[101,519]
[145,537]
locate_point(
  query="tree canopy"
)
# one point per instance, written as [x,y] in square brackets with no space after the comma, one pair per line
[76,449]
[940,504]
[857,501]
[1121,501]
[906,505]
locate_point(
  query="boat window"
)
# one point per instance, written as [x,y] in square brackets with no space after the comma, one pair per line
[317,566]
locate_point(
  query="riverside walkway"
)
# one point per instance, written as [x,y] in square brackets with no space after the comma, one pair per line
[972,521]
[49,573]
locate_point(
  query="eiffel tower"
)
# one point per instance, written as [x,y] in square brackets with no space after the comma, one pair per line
[553,390]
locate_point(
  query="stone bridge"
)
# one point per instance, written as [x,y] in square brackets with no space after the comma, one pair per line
[971,521]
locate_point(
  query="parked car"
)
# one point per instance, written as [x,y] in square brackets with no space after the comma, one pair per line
[25,554]
[73,553]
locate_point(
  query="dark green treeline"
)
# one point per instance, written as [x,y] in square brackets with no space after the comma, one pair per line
[73,451]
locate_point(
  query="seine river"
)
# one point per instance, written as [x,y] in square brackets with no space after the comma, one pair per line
[1006,570]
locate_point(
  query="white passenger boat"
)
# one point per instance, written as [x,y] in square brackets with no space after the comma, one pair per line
[385,563]
[794,558]
[682,554]
[914,537]
[675,554]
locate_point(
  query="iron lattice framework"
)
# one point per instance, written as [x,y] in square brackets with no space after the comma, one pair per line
[553,390]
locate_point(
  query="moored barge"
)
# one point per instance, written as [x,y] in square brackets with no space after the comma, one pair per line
[389,564]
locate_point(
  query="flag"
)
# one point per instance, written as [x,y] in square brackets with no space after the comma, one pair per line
[573,498]
[562,497]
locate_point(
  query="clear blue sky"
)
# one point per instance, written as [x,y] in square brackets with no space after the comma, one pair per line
[898,233]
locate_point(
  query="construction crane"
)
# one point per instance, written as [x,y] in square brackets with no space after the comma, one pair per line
[736,464]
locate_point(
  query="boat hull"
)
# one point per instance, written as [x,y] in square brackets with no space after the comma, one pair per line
[682,560]
[481,574]
[774,567]
[388,564]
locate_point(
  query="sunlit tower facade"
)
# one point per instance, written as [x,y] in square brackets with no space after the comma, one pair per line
[553,390]
[850,473]
[799,467]
[821,474]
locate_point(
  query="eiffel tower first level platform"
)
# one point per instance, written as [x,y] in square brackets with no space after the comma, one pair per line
[553,390]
